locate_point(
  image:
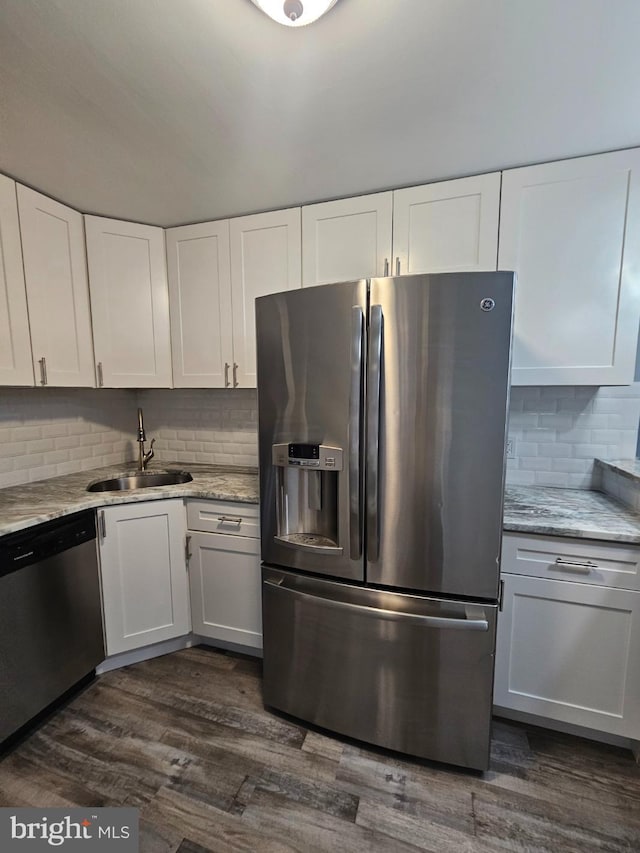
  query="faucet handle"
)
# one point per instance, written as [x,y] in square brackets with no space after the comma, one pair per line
[149,454]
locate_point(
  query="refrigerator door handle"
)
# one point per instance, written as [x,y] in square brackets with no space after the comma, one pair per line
[355,406]
[373,431]
[473,620]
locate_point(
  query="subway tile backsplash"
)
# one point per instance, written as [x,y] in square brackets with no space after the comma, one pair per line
[45,432]
[200,425]
[556,431]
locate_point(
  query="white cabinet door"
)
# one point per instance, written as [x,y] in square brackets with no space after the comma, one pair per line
[226,599]
[347,239]
[55,268]
[199,270]
[265,258]
[570,231]
[570,652]
[450,226]
[16,365]
[130,303]
[144,576]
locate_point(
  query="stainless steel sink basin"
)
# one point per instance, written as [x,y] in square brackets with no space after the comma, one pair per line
[141,480]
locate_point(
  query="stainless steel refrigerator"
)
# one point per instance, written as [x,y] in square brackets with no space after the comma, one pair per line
[382,421]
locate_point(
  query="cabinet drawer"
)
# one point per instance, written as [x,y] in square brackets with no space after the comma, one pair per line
[578,560]
[232,519]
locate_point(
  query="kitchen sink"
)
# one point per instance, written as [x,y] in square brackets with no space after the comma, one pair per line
[140,480]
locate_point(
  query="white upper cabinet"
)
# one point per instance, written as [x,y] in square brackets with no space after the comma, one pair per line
[130,303]
[16,365]
[347,239]
[200,304]
[571,231]
[265,258]
[57,294]
[450,226]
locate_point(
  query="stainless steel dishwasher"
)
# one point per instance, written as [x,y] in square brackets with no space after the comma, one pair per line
[50,615]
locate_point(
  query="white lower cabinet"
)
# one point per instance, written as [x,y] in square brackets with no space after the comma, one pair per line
[569,651]
[144,577]
[224,572]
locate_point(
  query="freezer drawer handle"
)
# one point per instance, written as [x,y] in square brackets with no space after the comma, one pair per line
[573,566]
[474,621]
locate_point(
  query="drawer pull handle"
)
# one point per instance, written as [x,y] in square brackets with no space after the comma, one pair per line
[573,566]
[230,519]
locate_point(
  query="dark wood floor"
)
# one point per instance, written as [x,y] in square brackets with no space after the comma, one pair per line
[185,738]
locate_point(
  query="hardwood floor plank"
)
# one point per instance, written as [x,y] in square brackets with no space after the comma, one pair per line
[172,675]
[327,747]
[417,830]
[188,846]
[314,831]
[249,754]
[327,798]
[519,823]
[430,794]
[231,707]
[209,827]
[156,838]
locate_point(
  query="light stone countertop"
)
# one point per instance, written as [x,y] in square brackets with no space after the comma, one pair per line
[578,513]
[528,509]
[33,503]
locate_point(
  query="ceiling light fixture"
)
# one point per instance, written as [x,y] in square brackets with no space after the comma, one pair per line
[294,13]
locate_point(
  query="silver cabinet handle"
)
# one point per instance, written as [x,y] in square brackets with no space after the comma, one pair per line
[100,374]
[355,433]
[43,370]
[230,519]
[235,375]
[474,619]
[397,266]
[187,549]
[574,566]
[226,374]
[103,524]
[386,267]
[373,430]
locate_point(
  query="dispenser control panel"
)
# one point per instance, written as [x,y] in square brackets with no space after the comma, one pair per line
[301,455]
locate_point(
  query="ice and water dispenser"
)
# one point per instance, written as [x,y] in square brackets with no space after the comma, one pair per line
[307,496]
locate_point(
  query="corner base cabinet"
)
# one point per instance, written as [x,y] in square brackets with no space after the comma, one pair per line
[144,576]
[224,572]
[569,649]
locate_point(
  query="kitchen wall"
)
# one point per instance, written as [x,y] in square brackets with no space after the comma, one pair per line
[49,431]
[557,432]
[212,426]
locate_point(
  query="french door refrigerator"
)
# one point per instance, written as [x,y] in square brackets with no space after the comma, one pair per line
[382,421]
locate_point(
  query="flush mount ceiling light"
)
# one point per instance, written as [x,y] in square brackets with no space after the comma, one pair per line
[294,13]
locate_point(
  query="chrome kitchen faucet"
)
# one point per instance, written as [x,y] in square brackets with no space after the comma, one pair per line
[143,458]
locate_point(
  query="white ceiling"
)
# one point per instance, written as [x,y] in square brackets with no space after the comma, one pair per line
[174,111]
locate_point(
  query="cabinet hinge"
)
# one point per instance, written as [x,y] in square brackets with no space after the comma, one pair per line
[501,596]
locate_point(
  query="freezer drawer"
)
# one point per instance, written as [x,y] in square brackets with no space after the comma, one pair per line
[406,672]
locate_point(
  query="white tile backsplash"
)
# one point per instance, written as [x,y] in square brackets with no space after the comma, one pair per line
[558,430]
[45,432]
[200,425]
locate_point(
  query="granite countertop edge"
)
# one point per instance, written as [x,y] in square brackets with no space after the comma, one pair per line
[575,513]
[26,505]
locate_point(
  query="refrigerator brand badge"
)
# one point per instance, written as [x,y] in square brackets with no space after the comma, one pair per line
[487,304]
